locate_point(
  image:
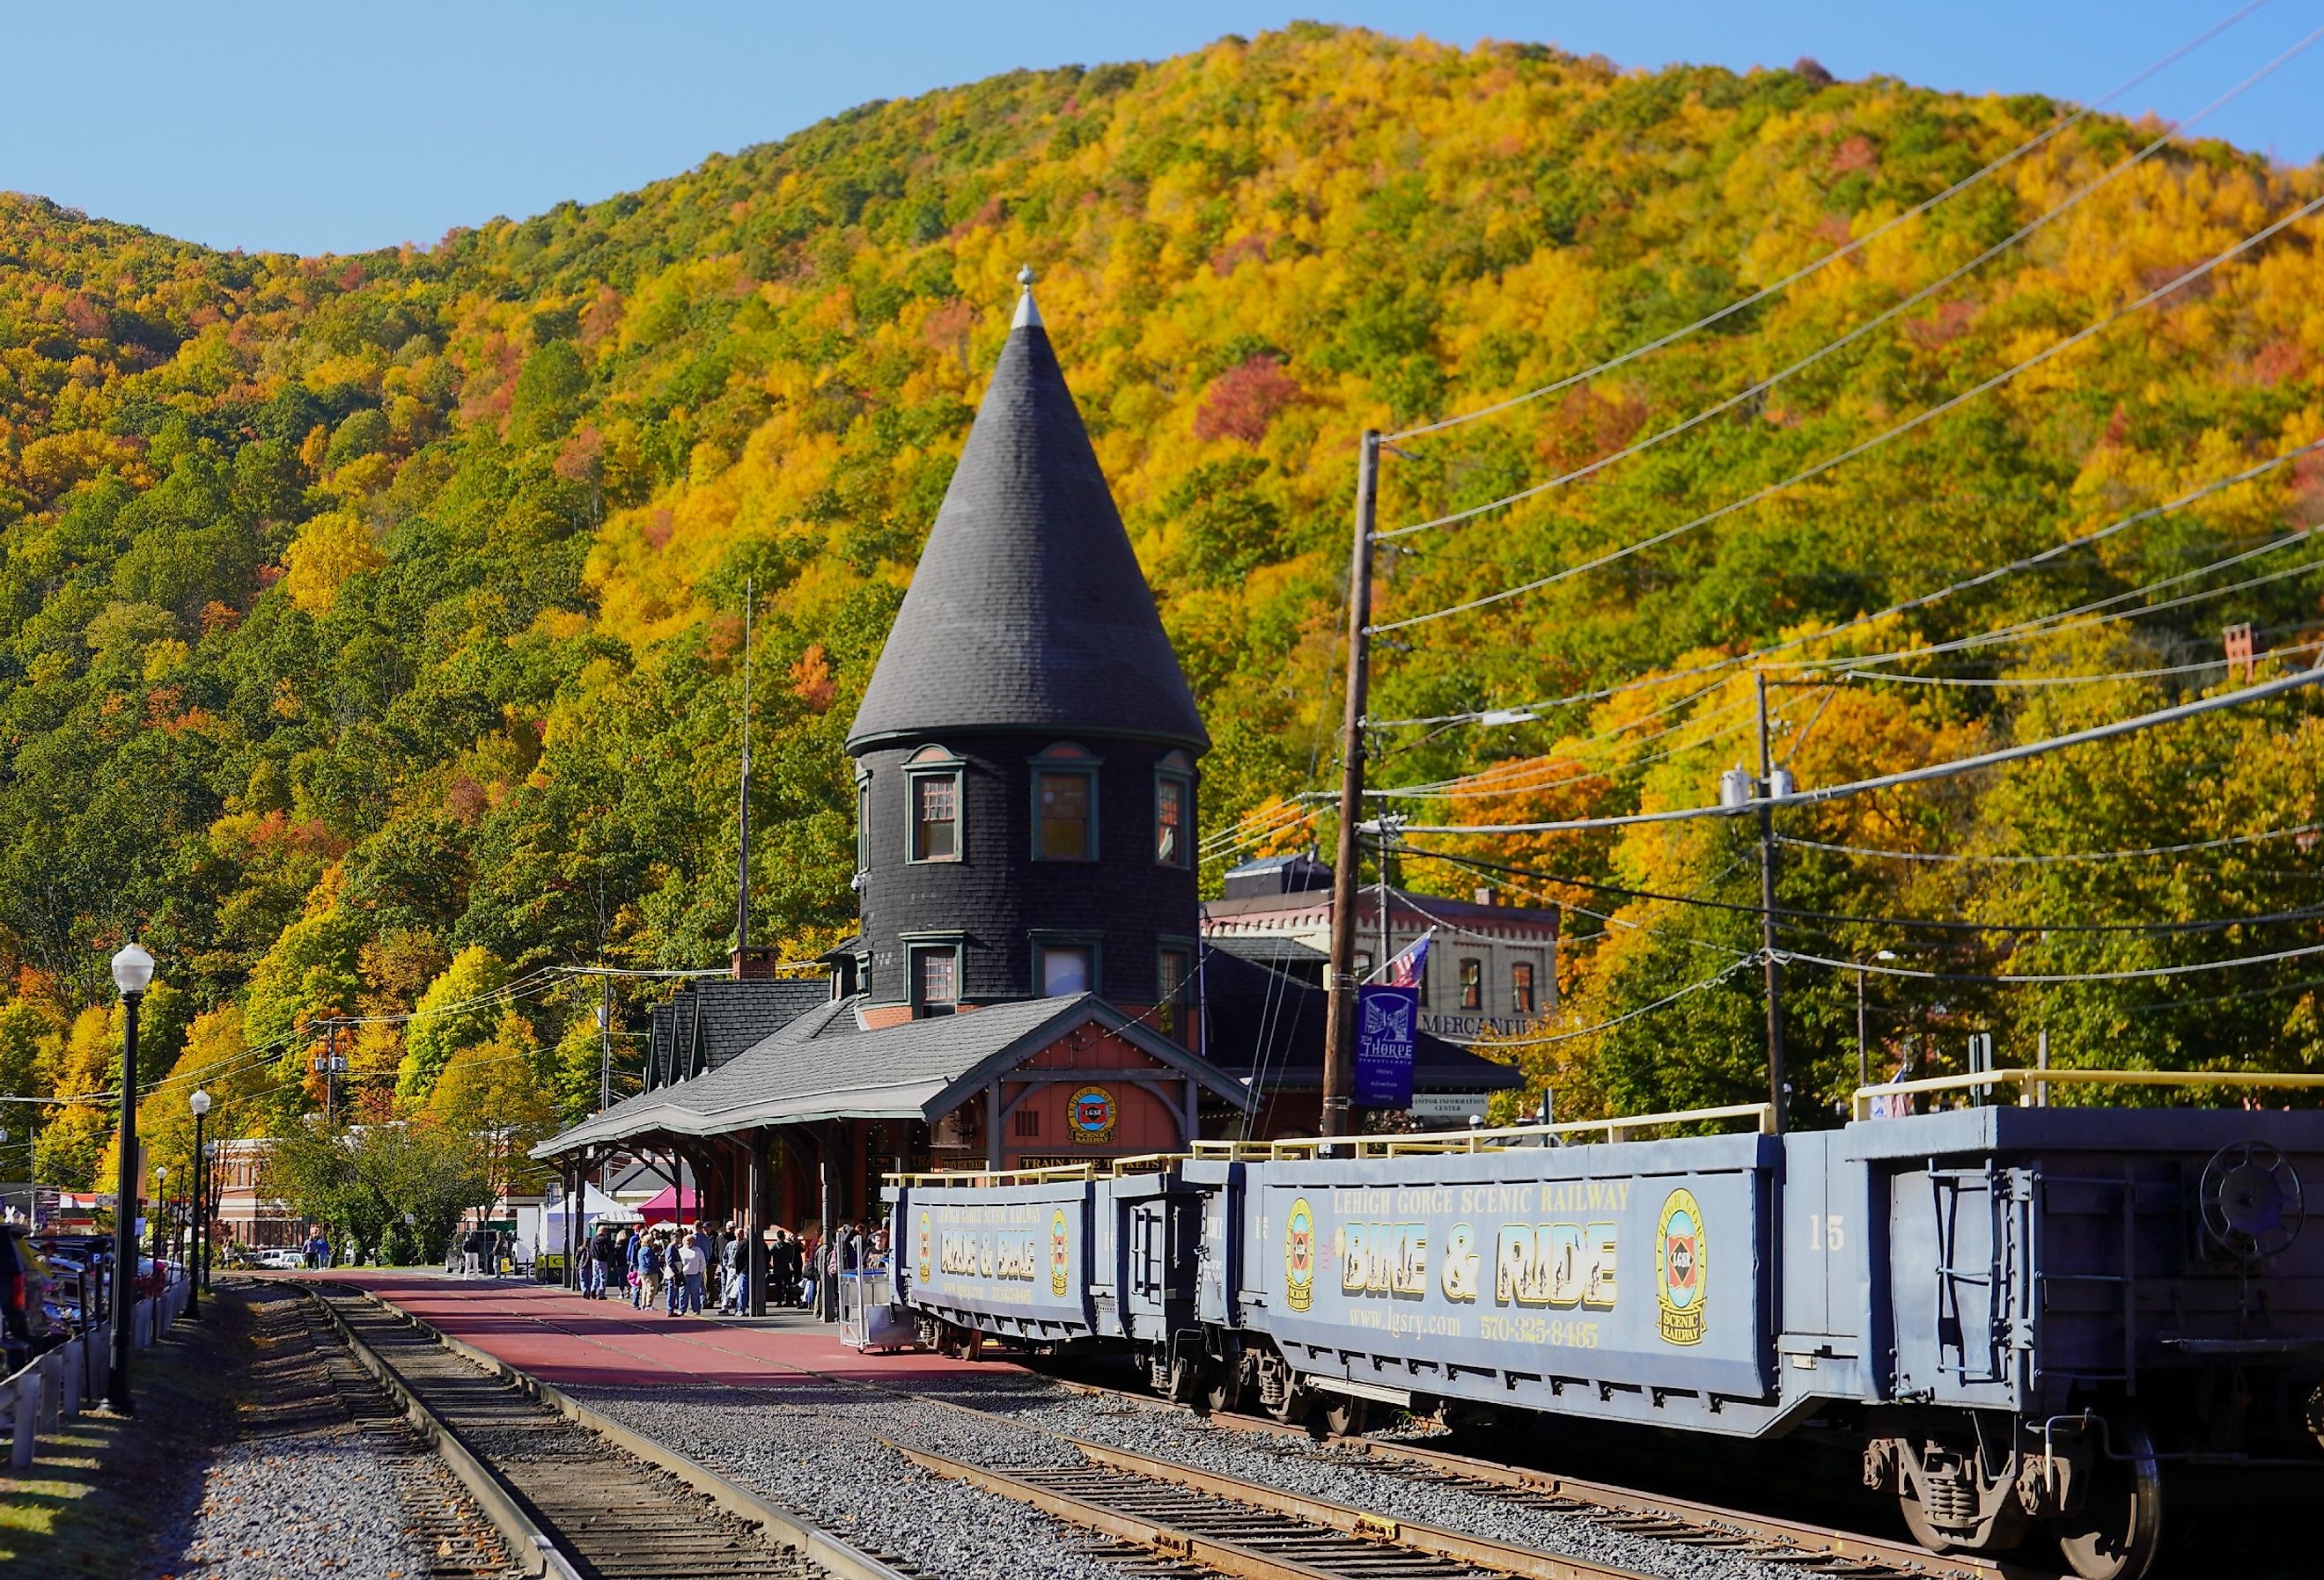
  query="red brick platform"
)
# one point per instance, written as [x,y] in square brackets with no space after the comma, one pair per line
[567,1341]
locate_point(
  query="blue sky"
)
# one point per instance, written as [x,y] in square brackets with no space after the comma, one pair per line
[335,127]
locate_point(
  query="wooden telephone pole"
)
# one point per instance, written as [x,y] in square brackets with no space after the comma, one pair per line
[1339,1004]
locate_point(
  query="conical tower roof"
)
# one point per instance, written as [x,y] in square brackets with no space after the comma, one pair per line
[1028,611]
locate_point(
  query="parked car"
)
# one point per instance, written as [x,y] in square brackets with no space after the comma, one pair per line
[280,1257]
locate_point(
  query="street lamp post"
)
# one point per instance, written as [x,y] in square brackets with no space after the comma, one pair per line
[1863,1058]
[160,1212]
[133,974]
[200,1103]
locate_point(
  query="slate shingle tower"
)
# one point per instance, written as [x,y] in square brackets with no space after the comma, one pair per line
[1027,751]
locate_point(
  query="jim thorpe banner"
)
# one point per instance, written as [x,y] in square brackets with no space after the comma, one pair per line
[1387,1019]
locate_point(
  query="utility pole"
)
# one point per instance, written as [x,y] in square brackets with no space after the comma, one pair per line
[606,1045]
[742,903]
[1777,1081]
[330,1074]
[1340,1002]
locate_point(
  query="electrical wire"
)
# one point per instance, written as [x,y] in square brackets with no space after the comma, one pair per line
[1918,420]
[1855,245]
[2007,682]
[2057,858]
[1663,1002]
[1922,600]
[1888,315]
[2141,975]
[1930,772]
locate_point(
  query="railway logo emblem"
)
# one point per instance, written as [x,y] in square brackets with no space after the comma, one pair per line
[1299,1256]
[1058,1247]
[928,1247]
[1091,1115]
[1682,1264]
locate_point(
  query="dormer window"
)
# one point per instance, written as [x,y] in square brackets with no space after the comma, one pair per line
[1064,805]
[1173,810]
[933,776]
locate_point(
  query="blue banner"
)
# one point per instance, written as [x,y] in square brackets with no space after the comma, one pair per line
[1387,1020]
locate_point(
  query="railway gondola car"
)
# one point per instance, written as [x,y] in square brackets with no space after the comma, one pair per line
[2021,1317]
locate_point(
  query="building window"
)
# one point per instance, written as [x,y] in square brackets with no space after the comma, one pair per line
[1363,964]
[1028,1124]
[1521,988]
[1064,805]
[936,817]
[936,979]
[1472,984]
[1066,965]
[1173,992]
[1173,810]
[863,824]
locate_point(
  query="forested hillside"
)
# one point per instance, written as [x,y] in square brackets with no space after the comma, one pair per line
[373,624]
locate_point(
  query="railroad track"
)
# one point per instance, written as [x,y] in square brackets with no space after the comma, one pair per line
[1810,1549]
[445,1522]
[1248,1530]
[574,1496]
[1103,1497]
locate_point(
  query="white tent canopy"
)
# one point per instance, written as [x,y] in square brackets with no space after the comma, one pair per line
[596,1207]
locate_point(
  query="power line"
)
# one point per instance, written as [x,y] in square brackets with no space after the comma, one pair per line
[2007,682]
[1859,244]
[2060,856]
[1933,771]
[1663,1002]
[1922,923]
[1523,712]
[1863,447]
[2140,974]
[1888,315]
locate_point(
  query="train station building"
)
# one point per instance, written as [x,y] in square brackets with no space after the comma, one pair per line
[1031,982]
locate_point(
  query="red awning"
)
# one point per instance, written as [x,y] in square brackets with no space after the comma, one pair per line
[667,1206]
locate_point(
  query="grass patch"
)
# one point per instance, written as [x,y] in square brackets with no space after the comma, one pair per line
[97,1497]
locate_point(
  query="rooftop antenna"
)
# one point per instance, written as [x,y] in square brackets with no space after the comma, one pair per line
[742,809]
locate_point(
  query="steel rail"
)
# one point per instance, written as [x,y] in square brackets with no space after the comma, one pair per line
[1685,1520]
[783,1533]
[1246,1530]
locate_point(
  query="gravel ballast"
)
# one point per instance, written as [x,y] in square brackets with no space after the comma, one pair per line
[809,1444]
[302,1489]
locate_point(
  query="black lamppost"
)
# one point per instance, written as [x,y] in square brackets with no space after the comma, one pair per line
[200,1103]
[133,974]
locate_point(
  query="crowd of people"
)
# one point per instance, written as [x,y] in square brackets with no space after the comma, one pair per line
[686,1269]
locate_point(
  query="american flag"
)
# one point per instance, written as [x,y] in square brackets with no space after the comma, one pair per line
[1404,970]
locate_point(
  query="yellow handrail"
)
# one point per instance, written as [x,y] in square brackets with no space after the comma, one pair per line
[2041,1080]
[1762,1115]
[1094,1168]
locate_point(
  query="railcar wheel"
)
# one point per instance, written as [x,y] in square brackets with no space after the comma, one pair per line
[1223,1393]
[2116,1534]
[1183,1381]
[1344,1415]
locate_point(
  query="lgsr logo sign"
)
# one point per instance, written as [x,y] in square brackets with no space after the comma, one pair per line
[1682,1265]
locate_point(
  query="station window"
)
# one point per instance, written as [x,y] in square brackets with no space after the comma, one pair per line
[936,979]
[1472,984]
[1173,810]
[936,817]
[1521,987]
[1064,805]
[863,824]
[1028,1124]
[1065,969]
[1173,991]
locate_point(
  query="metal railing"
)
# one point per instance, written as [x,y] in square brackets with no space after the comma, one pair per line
[75,1375]
[2036,1084]
[1052,1174]
[1503,1138]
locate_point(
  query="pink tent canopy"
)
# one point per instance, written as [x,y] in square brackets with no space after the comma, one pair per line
[666,1206]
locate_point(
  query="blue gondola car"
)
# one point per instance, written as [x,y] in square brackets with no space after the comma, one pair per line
[2022,1317]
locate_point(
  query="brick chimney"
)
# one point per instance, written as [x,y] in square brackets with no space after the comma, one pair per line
[753,963]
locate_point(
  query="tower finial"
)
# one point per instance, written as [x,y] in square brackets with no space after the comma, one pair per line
[1027,313]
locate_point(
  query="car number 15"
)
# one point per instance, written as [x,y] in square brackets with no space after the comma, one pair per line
[1828,1231]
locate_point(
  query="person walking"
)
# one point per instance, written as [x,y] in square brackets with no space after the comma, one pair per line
[652,1264]
[633,1253]
[733,1298]
[692,1265]
[599,1266]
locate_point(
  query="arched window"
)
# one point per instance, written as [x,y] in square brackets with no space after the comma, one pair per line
[932,784]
